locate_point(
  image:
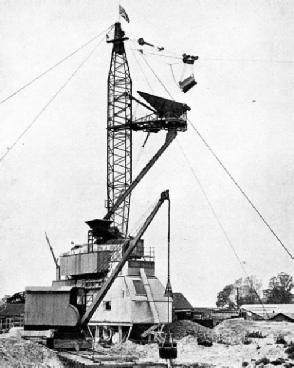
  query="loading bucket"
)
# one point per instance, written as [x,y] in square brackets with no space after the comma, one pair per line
[168,350]
[187,84]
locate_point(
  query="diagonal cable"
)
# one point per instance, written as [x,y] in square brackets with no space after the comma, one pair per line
[49,102]
[156,76]
[252,60]
[230,176]
[53,67]
[221,226]
[242,191]
[142,70]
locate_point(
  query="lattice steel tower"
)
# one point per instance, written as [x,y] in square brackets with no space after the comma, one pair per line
[119,133]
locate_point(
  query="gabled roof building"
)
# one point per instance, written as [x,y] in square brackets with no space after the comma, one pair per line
[268,312]
[11,315]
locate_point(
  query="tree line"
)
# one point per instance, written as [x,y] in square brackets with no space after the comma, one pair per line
[249,290]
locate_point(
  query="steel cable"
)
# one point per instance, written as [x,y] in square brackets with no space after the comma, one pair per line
[48,103]
[241,190]
[221,226]
[54,66]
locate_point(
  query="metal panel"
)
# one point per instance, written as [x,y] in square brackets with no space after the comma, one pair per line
[139,250]
[83,263]
[49,308]
[134,268]
[164,106]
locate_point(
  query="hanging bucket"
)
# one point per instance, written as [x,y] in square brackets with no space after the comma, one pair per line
[168,350]
[187,84]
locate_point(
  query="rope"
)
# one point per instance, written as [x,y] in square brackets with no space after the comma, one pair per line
[230,176]
[135,38]
[228,173]
[54,66]
[156,76]
[252,60]
[168,262]
[172,71]
[220,224]
[140,221]
[241,190]
[142,70]
[162,55]
[146,52]
[139,156]
[118,247]
[48,103]
[183,72]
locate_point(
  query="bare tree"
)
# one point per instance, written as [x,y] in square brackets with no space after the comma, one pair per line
[244,291]
[249,290]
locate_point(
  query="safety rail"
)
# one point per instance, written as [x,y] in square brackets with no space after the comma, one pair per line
[149,253]
[96,248]
[154,117]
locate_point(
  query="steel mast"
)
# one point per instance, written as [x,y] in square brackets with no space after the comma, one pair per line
[119,133]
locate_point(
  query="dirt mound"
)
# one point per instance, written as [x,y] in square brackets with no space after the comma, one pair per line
[231,332]
[231,352]
[16,352]
[185,328]
[142,352]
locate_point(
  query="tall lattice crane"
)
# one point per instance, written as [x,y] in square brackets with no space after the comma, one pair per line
[163,115]
[119,141]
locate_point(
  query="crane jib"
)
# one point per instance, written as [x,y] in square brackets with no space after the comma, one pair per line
[132,244]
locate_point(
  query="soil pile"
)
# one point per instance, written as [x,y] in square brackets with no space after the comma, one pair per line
[228,348]
[138,352]
[16,352]
[234,331]
[181,329]
[231,332]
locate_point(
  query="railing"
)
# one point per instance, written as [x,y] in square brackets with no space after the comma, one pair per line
[152,117]
[149,254]
[96,248]
[149,117]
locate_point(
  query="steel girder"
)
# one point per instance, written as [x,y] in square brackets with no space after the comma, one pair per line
[119,141]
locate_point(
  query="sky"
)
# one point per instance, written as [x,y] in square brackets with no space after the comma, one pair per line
[54,178]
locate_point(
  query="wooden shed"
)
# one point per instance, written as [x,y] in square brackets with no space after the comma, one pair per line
[47,307]
[182,309]
[11,315]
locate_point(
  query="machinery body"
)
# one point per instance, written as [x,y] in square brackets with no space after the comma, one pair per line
[109,284]
[50,308]
[122,293]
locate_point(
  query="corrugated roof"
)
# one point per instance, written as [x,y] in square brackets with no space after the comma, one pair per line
[266,310]
[8,310]
[180,302]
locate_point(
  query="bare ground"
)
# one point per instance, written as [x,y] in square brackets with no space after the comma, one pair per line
[231,347]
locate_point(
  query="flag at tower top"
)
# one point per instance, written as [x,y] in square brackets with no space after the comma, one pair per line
[123,13]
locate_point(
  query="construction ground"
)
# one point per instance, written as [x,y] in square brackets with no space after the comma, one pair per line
[235,343]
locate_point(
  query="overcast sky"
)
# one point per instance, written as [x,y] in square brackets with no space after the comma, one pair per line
[54,178]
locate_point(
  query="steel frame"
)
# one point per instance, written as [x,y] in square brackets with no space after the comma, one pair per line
[119,133]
